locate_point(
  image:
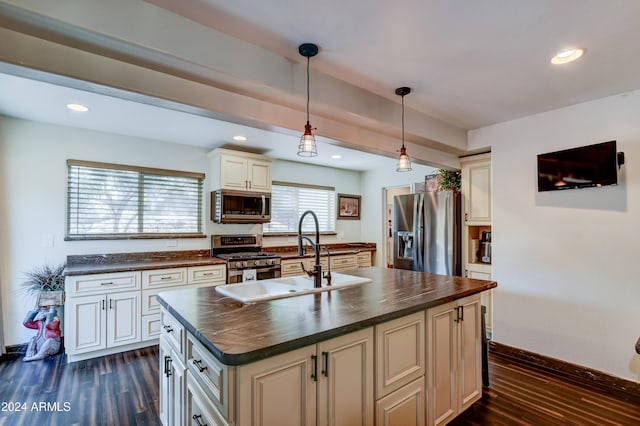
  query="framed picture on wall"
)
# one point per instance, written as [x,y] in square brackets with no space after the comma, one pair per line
[348,206]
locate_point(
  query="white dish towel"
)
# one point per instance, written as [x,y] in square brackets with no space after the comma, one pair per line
[249,275]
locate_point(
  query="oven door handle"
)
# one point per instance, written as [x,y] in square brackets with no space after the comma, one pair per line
[236,272]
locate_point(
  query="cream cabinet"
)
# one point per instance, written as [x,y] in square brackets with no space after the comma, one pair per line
[476,189]
[454,371]
[333,380]
[240,171]
[400,369]
[102,312]
[363,259]
[404,407]
[112,312]
[172,385]
[339,262]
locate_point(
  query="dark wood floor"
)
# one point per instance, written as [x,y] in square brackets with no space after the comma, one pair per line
[123,390]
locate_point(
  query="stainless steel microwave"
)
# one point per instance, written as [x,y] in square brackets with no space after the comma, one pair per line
[228,206]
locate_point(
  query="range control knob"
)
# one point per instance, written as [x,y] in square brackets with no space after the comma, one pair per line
[245,263]
[238,264]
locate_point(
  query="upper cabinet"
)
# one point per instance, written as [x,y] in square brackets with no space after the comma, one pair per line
[240,171]
[476,189]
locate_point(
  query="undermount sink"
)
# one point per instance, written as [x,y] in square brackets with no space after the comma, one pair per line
[277,288]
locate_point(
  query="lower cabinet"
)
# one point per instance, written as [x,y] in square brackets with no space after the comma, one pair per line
[404,407]
[172,384]
[420,369]
[102,321]
[454,348]
[338,262]
[331,382]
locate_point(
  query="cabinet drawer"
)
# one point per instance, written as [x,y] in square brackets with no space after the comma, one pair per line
[400,352]
[206,274]
[173,332]
[343,262]
[214,377]
[158,278]
[291,268]
[81,285]
[199,408]
[151,326]
[150,304]
[363,259]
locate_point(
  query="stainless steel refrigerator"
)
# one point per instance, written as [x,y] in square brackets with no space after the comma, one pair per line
[426,232]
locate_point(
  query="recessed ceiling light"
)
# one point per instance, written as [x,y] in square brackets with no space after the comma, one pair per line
[78,107]
[336,156]
[567,55]
[239,138]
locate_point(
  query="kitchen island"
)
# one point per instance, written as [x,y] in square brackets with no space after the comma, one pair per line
[405,346]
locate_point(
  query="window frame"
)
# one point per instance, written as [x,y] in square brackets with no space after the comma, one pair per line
[331,215]
[142,171]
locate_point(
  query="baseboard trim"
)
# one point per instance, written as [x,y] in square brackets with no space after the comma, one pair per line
[626,389]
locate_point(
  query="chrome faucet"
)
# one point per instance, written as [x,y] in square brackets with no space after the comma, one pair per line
[316,272]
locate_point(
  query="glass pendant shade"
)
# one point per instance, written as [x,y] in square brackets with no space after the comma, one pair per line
[307,146]
[404,162]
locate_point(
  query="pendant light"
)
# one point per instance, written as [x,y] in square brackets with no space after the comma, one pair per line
[307,146]
[404,162]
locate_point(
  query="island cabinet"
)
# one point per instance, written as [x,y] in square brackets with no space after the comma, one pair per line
[331,382]
[454,348]
[240,171]
[400,369]
[172,371]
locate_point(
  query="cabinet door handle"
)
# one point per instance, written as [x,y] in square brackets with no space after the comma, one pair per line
[108,283]
[167,278]
[325,367]
[196,418]
[167,362]
[466,216]
[314,368]
[207,273]
[103,304]
[197,363]
[168,329]
[461,313]
[246,184]
[110,303]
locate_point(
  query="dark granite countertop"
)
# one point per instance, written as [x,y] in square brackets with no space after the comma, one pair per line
[238,334]
[291,252]
[123,262]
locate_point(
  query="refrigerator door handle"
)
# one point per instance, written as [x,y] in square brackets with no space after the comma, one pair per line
[419,233]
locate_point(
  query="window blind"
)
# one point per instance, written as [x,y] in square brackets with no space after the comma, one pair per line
[118,200]
[290,201]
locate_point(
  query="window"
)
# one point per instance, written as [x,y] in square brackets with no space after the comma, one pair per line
[118,201]
[289,201]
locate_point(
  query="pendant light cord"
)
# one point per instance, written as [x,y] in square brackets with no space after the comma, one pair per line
[308,94]
[403,121]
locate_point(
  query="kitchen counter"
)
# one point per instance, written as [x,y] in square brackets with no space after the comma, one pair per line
[237,334]
[123,262]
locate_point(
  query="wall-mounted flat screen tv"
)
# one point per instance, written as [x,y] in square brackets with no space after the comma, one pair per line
[586,166]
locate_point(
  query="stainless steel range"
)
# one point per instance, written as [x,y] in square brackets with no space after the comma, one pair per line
[245,259]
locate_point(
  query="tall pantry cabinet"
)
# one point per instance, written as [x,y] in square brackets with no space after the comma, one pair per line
[477,215]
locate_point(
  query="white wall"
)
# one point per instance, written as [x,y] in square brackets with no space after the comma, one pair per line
[565,261]
[32,201]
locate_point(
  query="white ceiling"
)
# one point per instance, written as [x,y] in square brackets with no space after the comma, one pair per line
[39,101]
[469,63]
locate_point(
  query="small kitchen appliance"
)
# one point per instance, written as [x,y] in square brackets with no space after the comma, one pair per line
[245,259]
[485,247]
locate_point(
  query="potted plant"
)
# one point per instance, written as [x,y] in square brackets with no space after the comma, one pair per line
[449,180]
[47,284]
